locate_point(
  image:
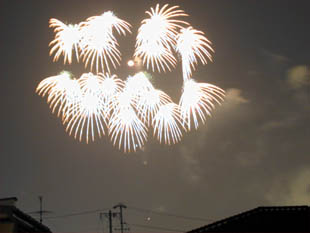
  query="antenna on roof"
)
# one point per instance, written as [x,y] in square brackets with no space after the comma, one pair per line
[41,212]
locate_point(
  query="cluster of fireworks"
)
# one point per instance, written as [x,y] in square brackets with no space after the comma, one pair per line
[99,103]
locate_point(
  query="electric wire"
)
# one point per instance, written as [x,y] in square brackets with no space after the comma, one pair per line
[170,214]
[77,213]
[155,227]
[135,224]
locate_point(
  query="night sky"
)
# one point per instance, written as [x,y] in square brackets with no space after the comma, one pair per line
[254,151]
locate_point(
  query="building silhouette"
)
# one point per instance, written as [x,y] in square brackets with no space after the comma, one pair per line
[14,220]
[264,219]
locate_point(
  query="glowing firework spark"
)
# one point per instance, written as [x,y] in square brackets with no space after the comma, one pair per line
[93,103]
[197,100]
[67,39]
[192,44]
[167,123]
[157,35]
[98,43]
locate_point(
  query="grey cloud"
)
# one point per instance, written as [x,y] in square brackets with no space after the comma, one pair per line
[298,76]
[191,169]
[281,123]
[293,190]
[234,96]
[275,57]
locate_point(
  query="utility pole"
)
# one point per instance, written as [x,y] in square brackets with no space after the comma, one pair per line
[110,217]
[121,207]
[110,222]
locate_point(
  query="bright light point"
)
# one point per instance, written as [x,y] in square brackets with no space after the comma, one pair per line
[148,218]
[130,63]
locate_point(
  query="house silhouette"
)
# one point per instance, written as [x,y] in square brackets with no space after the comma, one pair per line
[263,219]
[13,219]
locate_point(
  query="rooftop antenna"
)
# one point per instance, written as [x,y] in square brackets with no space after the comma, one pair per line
[41,212]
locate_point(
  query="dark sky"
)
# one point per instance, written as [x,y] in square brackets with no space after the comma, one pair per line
[254,150]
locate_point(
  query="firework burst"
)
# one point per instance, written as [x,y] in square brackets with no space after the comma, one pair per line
[167,124]
[156,37]
[67,38]
[110,87]
[98,103]
[125,125]
[192,45]
[149,103]
[99,46]
[61,90]
[90,114]
[197,101]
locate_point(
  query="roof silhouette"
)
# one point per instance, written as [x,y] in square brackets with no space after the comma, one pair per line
[264,219]
[13,219]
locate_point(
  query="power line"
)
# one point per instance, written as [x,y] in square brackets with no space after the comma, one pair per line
[170,214]
[134,224]
[135,209]
[77,213]
[155,227]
